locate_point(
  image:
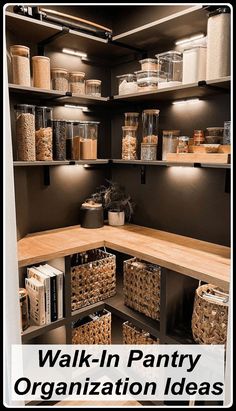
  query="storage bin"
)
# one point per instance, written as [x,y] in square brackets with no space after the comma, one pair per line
[41,72]
[88,132]
[171,63]
[25,132]
[72,140]
[210,317]
[93,278]
[129,143]
[148,151]
[127,84]
[43,133]
[169,142]
[93,88]
[149,64]
[150,119]
[142,287]
[194,64]
[133,335]
[77,82]
[94,329]
[60,80]
[59,140]
[20,64]
[147,80]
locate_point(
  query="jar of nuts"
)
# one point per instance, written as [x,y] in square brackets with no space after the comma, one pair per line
[129,143]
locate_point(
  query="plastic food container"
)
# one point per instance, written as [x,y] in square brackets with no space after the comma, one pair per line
[88,132]
[148,151]
[183,144]
[169,142]
[198,137]
[194,64]
[60,79]
[171,62]
[59,140]
[129,143]
[150,119]
[20,63]
[131,119]
[25,132]
[214,135]
[147,80]
[43,133]
[127,84]
[72,140]
[77,82]
[41,72]
[93,88]
[149,64]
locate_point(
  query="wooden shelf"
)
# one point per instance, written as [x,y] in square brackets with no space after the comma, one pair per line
[82,99]
[59,163]
[170,164]
[36,330]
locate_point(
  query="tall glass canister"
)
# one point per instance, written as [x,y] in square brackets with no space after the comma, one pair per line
[88,132]
[20,64]
[150,120]
[25,132]
[129,143]
[59,140]
[72,140]
[43,133]
[41,72]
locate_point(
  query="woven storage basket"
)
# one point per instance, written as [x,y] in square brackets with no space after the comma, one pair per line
[209,320]
[95,329]
[94,281]
[133,335]
[142,287]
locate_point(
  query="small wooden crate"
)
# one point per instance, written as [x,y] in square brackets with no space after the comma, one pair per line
[93,281]
[210,319]
[142,287]
[133,335]
[94,329]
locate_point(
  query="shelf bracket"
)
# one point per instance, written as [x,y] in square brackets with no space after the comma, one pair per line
[42,44]
[46,175]
[204,84]
[143,174]
[227,180]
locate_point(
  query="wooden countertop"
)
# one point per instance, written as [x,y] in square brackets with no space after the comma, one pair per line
[199,259]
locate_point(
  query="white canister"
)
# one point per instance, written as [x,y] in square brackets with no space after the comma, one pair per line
[116,218]
[194,64]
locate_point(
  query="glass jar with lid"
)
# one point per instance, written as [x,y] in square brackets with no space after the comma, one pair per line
[25,132]
[127,84]
[24,308]
[148,151]
[169,142]
[93,88]
[41,72]
[129,143]
[43,133]
[147,80]
[149,64]
[131,119]
[198,137]
[171,62]
[59,139]
[77,82]
[60,79]
[20,64]
[88,132]
[150,119]
[183,144]
[72,140]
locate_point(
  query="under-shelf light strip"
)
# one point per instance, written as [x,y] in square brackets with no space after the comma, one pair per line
[74,53]
[78,107]
[189,39]
[189,101]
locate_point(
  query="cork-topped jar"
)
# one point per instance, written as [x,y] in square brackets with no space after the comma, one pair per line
[93,88]
[60,79]
[20,62]
[77,82]
[41,72]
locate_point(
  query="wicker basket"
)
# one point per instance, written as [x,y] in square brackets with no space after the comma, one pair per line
[133,335]
[142,287]
[94,329]
[94,281]
[210,318]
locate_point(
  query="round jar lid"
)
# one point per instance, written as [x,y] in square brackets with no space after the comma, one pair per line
[129,128]
[20,50]
[147,72]
[40,58]
[97,82]
[59,70]
[132,114]
[175,132]
[151,111]
[215,128]
[90,204]
[77,73]
[148,61]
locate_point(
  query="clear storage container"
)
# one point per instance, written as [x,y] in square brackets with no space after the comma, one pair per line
[43,133]
[183,144]
[60,79]
[72,140]
[77,82]
[198,137]
[148,151]
[93,88]
[194,64]
[171,62]
[20,63]
[41,72]
[147,80]
[214,135]
[127,84]
[227,132]
[149,64]
[129,143]
[25,132]
[131,119]
[59,140]
[150,119]
[169,142]
[88,132]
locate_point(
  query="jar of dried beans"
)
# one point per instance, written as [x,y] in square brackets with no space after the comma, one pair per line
[129,143]
[25,132]
[60,79]
[59,139]
[43,133]
[77,82]
[41,72]
[150,120]
[20,62]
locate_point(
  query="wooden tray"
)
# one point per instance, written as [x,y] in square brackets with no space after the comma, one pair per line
[200,149]
[219,158]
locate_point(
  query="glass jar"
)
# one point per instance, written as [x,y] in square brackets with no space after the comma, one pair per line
[147,80]
[214,135]
[41,72]
[20,63]
[88,132]
[127,84]
[93,88]
[131,119]
[149,64]
[171,62]
[150,119]
[43,133]
[77,82]
[60,79]
[198,137]
[72,140]
[162,79]
[129,143]
[25,132]
[227,132]
[59,139]
[23,297]
[183,144]
[169,142]
[148,151]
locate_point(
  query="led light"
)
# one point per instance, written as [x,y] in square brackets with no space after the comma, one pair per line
[189,101]
[74,53]
[189,39]
[78,107]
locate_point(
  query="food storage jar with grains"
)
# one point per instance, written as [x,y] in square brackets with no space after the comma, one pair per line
[150,119]
[171,62]
[60,79]
[41,72]
[127,84]
[93,88]
[149,64]
[72,140]
[77,82]
[147,80]
[43,133]
[183,144]
[169,142]
[59,139]
[129,143]
[198,137]
[131,119]
[148,151]
[218,44]
[214,135]
[24,308]
[227,132]
[20,65]
[25,132]
[194,64]
[88,132]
